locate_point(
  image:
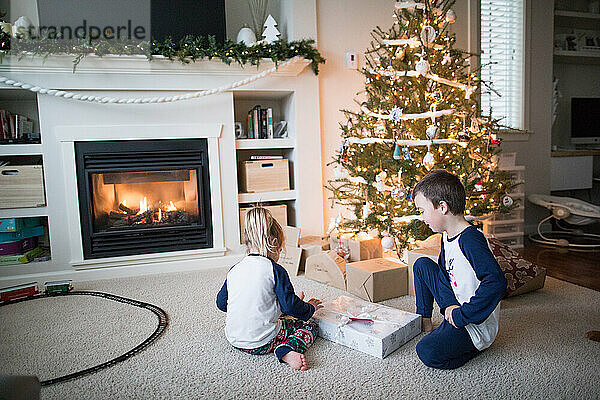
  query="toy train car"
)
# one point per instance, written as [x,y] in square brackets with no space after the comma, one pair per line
[18,291]
[58,286]
[31,289]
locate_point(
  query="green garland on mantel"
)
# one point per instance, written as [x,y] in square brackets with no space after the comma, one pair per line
[189,49]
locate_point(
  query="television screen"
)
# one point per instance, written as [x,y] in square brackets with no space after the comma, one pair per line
[177,18]
[585,120]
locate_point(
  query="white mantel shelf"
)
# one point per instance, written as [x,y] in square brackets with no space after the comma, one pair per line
[139,64]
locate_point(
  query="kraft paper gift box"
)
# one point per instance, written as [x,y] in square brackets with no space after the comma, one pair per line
[374,329]
[361,246]
[377,279]
[328,268]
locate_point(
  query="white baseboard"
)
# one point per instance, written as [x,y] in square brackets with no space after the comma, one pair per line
[123,271]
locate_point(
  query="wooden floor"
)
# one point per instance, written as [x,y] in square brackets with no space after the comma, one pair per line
[580,268]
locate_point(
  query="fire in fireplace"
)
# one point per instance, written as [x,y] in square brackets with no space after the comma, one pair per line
[123,200]
[143,196]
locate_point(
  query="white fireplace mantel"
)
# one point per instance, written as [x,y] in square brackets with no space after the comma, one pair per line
[63,122]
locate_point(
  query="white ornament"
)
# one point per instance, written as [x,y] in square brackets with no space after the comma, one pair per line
[380,177]
[428,160]
[431,132]
[379,185]
[366,209]
[507,201]
[271,34]
[428,34]
[478,186]
[246,36]
[422,67]
[474,128]
[446,59]
[396,114]
[21,27]
[387,242]
[450,16]
[339,172]
[398,192]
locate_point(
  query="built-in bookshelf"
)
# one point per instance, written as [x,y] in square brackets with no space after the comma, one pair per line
[282,105]
[21,160]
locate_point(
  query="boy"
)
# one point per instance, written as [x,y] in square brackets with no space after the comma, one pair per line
[467,282]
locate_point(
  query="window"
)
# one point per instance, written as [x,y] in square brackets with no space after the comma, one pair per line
[502,61]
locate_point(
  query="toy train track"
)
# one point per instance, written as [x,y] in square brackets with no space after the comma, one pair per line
[163,322]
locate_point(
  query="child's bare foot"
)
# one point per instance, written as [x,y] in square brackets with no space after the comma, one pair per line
[296,360]
[426,325]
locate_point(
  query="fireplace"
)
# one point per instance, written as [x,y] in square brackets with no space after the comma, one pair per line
[143,196]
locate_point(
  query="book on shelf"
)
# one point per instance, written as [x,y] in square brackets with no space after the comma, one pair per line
[270,123]
[250,125]
[256,121]
[16,129]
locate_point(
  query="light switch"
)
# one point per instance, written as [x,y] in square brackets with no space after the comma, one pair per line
[351,60]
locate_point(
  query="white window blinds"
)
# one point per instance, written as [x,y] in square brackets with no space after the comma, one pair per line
[502,43]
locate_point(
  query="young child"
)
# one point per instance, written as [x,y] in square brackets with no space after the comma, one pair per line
[256,292]
[466,283]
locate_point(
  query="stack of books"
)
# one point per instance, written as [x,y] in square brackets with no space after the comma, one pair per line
[20,241]
[15,128]
[260,123]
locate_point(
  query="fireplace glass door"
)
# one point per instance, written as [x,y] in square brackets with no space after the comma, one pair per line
[144,199]
[143,196]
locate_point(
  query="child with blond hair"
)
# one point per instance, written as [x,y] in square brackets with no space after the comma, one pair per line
[256,293]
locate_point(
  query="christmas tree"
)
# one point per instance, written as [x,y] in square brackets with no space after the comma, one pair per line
[420,112]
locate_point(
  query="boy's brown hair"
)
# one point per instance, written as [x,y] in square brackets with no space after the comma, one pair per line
[263,234]
[440,185]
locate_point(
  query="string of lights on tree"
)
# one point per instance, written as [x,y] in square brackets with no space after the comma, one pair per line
[420,112]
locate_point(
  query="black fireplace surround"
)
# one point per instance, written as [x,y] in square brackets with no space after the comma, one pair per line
[169,179]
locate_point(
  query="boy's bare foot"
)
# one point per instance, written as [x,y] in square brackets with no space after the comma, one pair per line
[426,325]
[295,360]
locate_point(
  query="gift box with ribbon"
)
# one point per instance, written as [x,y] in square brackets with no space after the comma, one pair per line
[372,328]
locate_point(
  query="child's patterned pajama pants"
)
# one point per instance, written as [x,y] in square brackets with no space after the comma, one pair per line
[294,335]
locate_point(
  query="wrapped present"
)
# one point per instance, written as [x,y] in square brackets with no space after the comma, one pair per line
[374,329]
[360,246]
[377,279]
[328,268]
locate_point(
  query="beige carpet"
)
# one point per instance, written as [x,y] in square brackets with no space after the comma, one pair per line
[541,351]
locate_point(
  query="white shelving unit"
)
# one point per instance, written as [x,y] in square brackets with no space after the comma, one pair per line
[282,103]
[23,102]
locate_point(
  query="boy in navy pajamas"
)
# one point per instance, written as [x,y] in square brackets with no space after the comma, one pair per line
[466,283]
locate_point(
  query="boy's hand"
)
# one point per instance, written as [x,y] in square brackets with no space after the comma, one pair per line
[301,295]
[448,314]
[316,303]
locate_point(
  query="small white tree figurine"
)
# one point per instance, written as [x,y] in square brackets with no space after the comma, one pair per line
[270,33]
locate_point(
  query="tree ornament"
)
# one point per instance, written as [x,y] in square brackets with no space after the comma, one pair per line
[450,16]
[271,34]
[474,125]
[422,67]
[380,127]
[398,192]
[406,153]
[447,59]
[428,34]
[397,154]
[366,209]
[428,160]
[246,36]
[339,219]
[387,242]
[431,132]
[344,151]
[396,114]
[339,172]
[478,185]
[495,140]
[507,201]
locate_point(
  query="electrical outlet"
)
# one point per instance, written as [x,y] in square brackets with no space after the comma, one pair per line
[351,60]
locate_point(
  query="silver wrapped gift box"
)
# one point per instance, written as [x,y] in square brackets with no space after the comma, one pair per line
[372,328]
